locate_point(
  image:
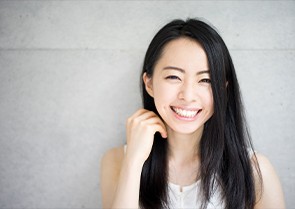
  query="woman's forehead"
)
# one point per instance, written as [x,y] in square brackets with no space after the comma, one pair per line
[184,54]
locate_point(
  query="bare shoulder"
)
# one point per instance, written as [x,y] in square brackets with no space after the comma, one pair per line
[263,161]
[266,168]
[264,164]
[113,157]
[270,193]
[111,164]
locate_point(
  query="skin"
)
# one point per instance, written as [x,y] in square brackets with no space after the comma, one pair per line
[181,80]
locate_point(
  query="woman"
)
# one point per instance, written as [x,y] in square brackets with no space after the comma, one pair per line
[189,146]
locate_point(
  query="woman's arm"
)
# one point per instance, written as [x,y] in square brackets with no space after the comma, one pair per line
[120,180]
[127,192]
[109,175]
[271,195]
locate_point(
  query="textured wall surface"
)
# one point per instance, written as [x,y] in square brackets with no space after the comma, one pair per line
[69,80]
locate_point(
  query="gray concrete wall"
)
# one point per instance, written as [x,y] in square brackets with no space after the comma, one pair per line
[69,79]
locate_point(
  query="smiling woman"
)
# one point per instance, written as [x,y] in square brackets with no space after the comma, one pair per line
[189,146]
[180,87]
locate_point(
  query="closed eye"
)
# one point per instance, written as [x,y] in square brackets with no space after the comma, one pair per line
[205,80]
[172,77]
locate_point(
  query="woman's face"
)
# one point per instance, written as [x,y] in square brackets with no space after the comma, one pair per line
[181,86]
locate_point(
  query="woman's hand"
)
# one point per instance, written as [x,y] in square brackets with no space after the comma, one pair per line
[141,128]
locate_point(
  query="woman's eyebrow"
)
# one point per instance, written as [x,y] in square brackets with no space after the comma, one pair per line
[202,72]
[174,68]
[183,71]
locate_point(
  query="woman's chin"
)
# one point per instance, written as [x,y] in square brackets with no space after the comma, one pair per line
[185,130]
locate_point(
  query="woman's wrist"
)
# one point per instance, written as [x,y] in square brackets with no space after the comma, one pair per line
[133,164]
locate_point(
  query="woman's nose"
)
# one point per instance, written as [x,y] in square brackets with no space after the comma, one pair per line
[187,92]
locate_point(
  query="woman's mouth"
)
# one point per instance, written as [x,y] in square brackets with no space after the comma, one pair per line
[186,113]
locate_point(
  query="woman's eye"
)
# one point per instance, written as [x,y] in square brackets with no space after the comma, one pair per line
[172,77]
[205,80]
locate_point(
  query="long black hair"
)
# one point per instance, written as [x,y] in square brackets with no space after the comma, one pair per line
[225,143]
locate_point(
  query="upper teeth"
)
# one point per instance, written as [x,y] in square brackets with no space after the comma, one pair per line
[185,113]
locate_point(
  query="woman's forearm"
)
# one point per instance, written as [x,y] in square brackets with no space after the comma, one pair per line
[127,192]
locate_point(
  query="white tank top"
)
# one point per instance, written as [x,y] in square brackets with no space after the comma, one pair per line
[188,197]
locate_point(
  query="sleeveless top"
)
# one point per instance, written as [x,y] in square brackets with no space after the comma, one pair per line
[187,197]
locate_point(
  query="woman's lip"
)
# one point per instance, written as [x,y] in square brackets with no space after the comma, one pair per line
[186,118]
[186,108]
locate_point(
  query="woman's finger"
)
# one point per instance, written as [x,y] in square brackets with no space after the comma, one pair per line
[158,124]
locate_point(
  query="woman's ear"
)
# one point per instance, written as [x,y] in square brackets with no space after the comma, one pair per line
[148,84]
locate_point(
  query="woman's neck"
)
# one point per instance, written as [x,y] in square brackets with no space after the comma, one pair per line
[184,148]
[183,157]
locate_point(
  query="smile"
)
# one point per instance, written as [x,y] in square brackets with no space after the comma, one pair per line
[184,113]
